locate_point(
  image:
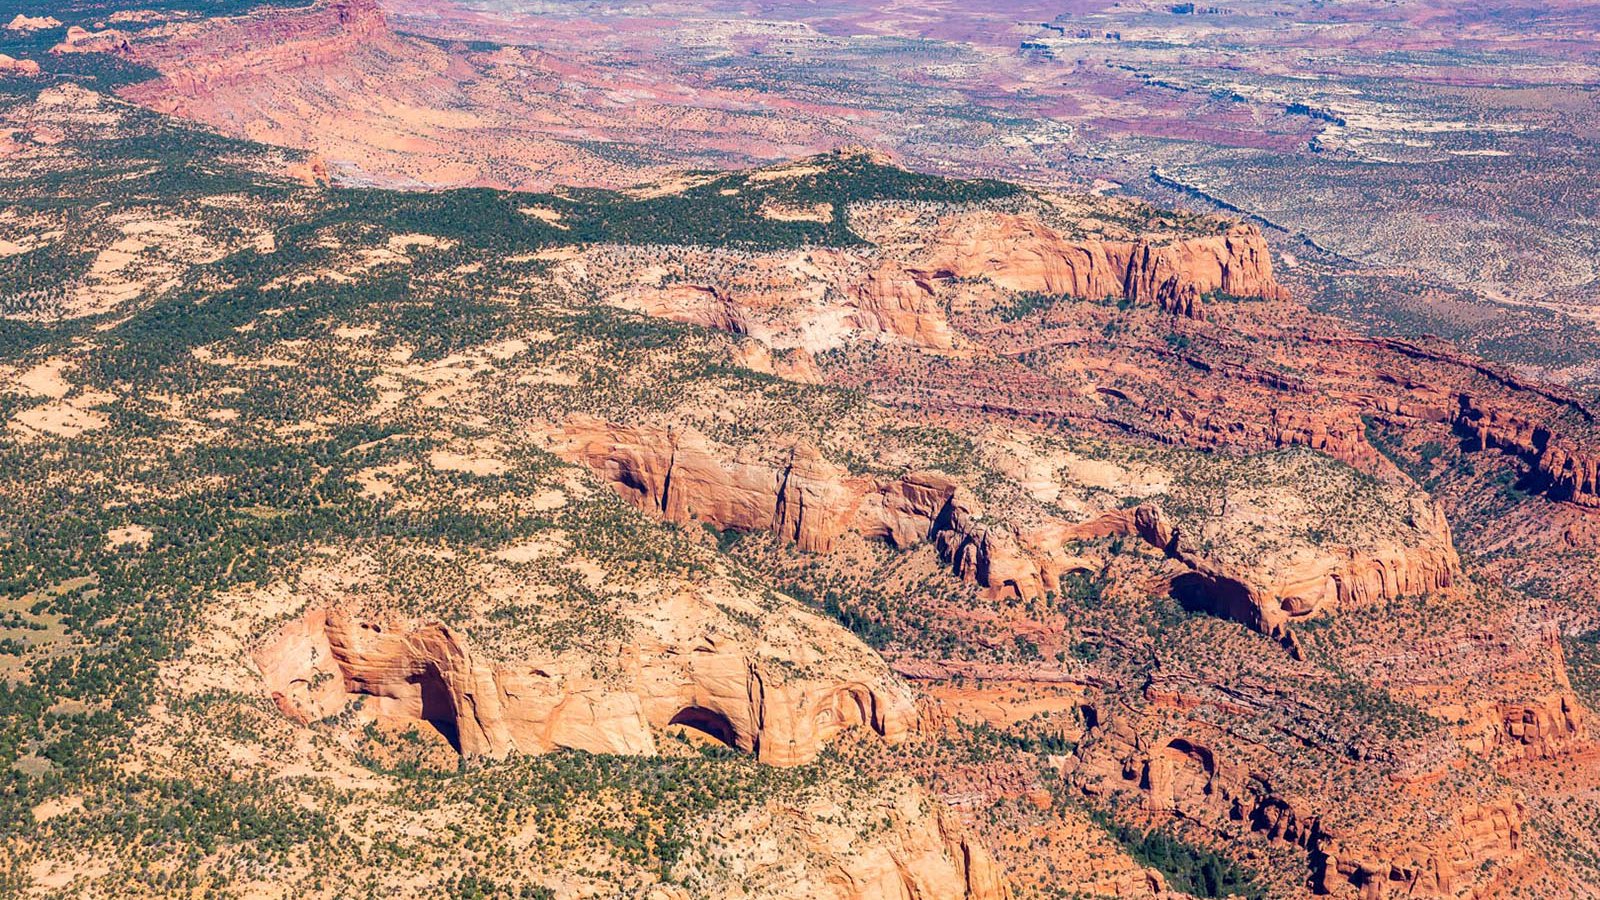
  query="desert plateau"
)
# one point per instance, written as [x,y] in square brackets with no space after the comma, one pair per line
[763,450]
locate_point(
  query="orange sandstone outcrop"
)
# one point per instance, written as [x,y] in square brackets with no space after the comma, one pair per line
[814,301]
[1183,776]
[684,477]
[926,854]
[1269,595]
[218,52]
[887,841]
[893,302]
[1020,253]
[80,40]
[317,665]
[18,66]
[20,22]
[691,304]
[1562,468]
[1546,727]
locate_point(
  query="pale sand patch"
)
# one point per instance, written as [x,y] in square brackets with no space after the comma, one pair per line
[533,549]
[136,535]
[554,254]
[44,379]
[56,806]
[27,242]
[353,333]
[546,215]
[548,500]
[61,418]
[506,349]
[403,242]
[1141,481]
[379,482]
[147,260]
[207,355]
[446,377]
[393,253]
[784,173]
[548,376]
[447,461]
[816,212]
[675,185]
[55,874]
[590,570]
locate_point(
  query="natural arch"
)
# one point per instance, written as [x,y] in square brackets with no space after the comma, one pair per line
[1182,750]
[1090,716]
[847,707]
[438,704]
[709,722]
[1221,597]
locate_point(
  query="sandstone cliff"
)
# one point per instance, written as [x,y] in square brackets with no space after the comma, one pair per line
[1545,727]
[1020,253]
[18,66]
[1562,467]
[21,22]
[810,301]
[806,499]
[318,664]
[893,842]
[684,477]
[1186,776]
[216,53]
[1268,595]
[81,40]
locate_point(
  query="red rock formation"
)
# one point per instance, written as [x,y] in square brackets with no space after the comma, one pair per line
[317,665]
[18,66]
[1562,468]
[885,303]
[691,304]
[1448,866]
[221,51]
[1184,776]
[79,40]
[21,22]
[1336,577]
[1546,727]
[1020,253]
[810,501]
[891,301]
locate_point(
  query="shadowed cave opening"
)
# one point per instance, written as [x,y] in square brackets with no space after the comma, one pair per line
[709,722]
[438,707]
[1225,599]
[1090,716]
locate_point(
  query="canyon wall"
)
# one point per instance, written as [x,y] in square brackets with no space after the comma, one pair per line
[211,55]
[806,499]
[1267,598]
[1020,253]
[319,664]
[1540,728]
[684,477]
[1185,776]
[1562,468]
